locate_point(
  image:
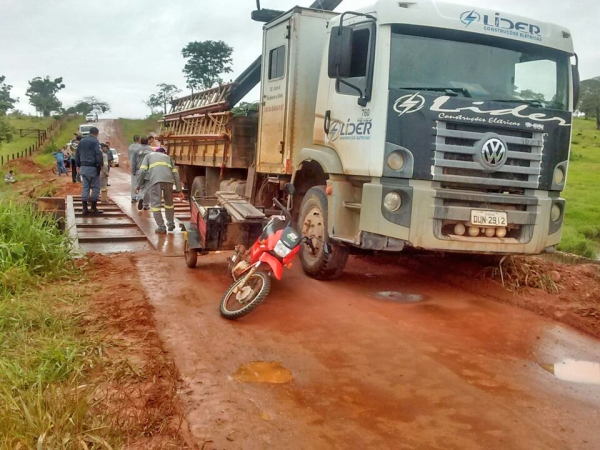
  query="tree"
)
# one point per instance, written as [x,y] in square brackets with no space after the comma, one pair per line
[6,131]
[42,94]
[91,103]
[6,101]
[589,101]
[163,97]
[206,62]
[152,103]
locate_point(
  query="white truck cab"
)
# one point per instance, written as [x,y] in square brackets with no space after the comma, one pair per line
[441,127]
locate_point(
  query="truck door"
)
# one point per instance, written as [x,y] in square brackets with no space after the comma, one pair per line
[274,84]
[349,123]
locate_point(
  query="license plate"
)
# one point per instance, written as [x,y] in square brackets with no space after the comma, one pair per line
[488,218]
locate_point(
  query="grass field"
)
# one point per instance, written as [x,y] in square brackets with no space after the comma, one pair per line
[18,143]
[61,138]
[143,127]
[581,233]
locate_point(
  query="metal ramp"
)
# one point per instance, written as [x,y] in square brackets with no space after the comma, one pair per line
[111,232]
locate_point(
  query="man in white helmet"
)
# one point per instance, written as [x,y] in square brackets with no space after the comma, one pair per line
[157,173]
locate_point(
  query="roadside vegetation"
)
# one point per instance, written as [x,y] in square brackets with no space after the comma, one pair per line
[581,233]
[18,144]
[44,354]
[143,127]
[60,139]
[73,375]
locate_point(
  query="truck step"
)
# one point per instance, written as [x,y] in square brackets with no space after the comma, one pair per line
[352,205]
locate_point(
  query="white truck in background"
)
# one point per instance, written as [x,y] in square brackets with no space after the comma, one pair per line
[405,124]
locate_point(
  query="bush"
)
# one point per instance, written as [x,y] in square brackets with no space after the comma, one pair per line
[32,248]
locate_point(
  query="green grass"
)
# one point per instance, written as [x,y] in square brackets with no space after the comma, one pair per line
[46,354]
[581,234]
[18,143]
[143,127]
[65,134]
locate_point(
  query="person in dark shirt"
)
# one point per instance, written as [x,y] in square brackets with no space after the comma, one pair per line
[89,162]
[74,172]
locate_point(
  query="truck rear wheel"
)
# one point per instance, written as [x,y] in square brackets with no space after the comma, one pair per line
[198,188]
[312,220]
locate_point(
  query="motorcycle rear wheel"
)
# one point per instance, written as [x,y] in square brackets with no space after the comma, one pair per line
[255,290]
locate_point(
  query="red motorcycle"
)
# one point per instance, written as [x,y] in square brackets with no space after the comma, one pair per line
[251,269]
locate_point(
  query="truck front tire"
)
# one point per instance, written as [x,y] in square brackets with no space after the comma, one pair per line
[198,188]
[312,220]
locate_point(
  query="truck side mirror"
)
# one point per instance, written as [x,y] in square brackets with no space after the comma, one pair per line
[340,52]
[576,85]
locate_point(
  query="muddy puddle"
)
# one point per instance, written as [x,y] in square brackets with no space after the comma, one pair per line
[263,372]
[396,296]
[575,371]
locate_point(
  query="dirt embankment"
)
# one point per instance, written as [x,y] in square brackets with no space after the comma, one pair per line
[567,293]
[34,180]
[141,395]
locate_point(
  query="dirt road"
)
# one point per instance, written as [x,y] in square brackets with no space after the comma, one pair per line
[444,369]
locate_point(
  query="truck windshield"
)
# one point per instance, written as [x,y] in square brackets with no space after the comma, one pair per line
[525,73]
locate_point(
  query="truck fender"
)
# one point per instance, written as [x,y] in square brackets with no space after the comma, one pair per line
[325,156]
[192,235]
[274,263]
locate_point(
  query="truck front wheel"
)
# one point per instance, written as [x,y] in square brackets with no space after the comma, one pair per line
[198,188]
[312,220]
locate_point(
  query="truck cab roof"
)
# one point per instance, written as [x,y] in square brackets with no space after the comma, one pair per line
[488,22]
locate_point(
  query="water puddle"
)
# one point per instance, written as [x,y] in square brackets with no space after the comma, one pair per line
[263,372]
[586,372]
[400,297]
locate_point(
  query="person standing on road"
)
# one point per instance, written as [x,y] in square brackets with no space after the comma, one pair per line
[133,149]
[104,173]
[143,193]
[74,172]
[60,162]
[89,161]
[159,173]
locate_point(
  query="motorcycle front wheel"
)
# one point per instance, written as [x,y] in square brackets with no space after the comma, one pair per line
[237,304]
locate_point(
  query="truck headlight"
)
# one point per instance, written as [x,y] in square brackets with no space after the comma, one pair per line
[392,201]
[559,175]
[555,213]
[395,161]
[281,250]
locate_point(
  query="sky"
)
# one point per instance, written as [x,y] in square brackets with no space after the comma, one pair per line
[119,50]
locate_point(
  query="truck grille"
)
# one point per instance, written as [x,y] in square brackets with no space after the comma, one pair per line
[457,147]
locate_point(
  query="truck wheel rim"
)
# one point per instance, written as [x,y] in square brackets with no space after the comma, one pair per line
[313,228]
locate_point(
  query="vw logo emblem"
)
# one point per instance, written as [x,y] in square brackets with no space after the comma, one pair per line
[493,153]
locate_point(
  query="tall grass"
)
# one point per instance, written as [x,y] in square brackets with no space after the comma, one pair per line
[32,248]
[44,357]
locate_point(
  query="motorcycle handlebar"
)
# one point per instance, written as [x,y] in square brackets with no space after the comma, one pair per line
[283,209]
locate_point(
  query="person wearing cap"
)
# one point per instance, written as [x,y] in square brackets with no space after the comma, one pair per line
[104,173]
[158,172]
[89,162]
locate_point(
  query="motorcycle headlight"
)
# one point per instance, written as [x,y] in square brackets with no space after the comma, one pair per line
[281,250]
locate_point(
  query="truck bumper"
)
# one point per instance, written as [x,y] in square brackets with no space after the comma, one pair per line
[429,212]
